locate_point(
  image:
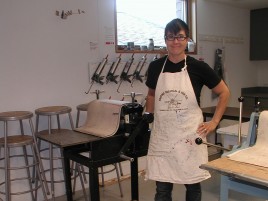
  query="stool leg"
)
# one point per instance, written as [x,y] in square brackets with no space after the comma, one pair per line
[62,161]
[51,171]
[36,123]
[28,170]
[84,173]
[26,161]
[77,118]
[74,175]
[78,166]
[21,128]
[71,121]
[52,158]
[36,127]
[102,177]
[58,120]
[120,168]
[8,179]
[118,178]
[42,176]
[82,176]
[7,165]
[72,167]
[39,172]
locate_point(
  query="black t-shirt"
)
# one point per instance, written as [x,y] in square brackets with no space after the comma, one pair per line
[200,73]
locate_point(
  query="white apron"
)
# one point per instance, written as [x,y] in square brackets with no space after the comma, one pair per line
[173,155]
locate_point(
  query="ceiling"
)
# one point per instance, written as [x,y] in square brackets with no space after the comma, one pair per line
[248,4]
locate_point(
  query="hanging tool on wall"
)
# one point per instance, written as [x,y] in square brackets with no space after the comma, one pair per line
[124,74]
[110,75]
[218,67]
[136,75]
[97,92]
[97,77]
[146,73]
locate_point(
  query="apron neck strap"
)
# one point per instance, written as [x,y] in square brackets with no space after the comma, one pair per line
[184,67]
[164,65]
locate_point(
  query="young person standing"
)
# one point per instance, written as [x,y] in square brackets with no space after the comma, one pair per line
[174,85]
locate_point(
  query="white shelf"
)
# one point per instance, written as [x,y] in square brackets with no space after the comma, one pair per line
[220,39]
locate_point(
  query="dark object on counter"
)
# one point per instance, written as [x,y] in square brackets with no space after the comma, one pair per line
[255,98]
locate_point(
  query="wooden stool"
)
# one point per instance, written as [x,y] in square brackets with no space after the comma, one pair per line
[54,111]
[84,107]
[9,142]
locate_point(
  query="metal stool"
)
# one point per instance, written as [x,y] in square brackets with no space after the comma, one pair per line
[12,142]
[83,107]
[55,111]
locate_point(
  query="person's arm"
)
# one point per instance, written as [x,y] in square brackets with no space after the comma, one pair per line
[223,93]
[223,97]
[150,101]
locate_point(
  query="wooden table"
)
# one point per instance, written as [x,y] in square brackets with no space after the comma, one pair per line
[242,177]
[101,151]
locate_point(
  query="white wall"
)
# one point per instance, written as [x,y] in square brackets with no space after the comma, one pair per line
[212,19]
[45,60]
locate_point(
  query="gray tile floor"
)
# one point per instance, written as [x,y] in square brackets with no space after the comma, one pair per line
[210,189]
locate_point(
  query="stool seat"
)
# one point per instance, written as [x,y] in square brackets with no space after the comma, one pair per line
[52,110]
[15,115]
[17,141]
[82,107]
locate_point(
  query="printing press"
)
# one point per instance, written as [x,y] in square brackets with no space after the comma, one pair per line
[244,168]
[114,131]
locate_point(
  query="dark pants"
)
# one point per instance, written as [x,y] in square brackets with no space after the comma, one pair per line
[164,191]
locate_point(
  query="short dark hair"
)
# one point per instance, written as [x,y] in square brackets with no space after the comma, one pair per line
[175,26]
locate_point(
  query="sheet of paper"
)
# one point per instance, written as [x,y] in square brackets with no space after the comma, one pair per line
[257,154]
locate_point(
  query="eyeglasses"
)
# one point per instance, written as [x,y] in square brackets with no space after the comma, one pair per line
[172,37]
